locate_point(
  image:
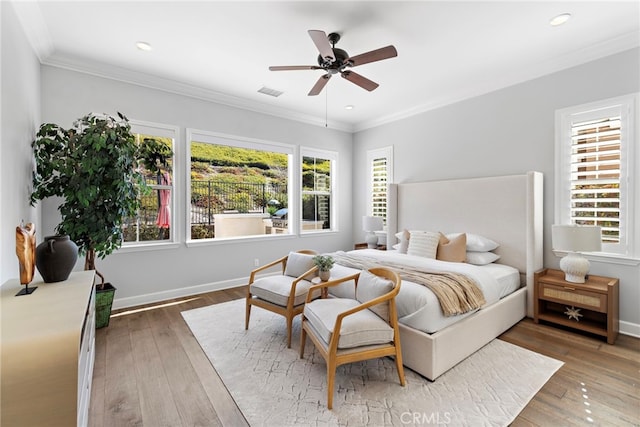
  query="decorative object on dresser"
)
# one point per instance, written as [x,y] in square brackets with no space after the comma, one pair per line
[591,306]
[324,264]
[47,350]
[55,258]
[26,252]
[575,239]
[371,224]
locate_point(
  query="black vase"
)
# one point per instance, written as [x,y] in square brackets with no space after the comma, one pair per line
[56,257]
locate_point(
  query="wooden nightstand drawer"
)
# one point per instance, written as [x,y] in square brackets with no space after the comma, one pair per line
[572,295]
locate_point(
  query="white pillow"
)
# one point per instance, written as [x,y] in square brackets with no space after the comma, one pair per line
[403,236]
[371,286]
[476,242]
[298,264]
[481,258]
[423,243]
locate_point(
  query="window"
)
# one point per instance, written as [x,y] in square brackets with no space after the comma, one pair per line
[596,178]
[380,173]
[318,177]
[238,187]
[154,222]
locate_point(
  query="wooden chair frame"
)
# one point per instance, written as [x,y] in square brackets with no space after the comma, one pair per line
[335,357]
[290,310]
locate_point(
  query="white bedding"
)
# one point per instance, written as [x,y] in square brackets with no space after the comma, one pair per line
[417,306]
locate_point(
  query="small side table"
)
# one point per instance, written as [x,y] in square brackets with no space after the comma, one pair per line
[591,306]
[365,246]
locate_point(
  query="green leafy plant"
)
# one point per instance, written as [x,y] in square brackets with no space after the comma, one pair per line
[323,262]
[93,166]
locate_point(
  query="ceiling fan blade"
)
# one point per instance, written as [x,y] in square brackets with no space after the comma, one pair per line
[372,56]
[361,81]
[320,84]
[294,67]
[322,43]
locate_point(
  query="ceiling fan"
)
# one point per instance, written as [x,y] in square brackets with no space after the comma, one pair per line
[334,61]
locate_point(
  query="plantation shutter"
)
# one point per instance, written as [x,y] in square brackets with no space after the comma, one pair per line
[595,175]
[379,177]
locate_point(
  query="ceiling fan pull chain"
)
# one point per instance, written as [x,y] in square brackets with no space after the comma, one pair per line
[326,108]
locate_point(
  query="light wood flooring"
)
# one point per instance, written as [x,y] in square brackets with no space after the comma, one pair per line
[150,371]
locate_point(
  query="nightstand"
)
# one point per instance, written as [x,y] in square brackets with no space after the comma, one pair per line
[364,246]
[591,306]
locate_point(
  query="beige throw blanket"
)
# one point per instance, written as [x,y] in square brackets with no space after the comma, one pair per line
[456,292]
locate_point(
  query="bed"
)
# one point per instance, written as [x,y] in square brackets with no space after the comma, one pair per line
[506,209]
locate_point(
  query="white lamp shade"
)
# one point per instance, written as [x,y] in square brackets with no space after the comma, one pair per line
[576,238]
[372,223]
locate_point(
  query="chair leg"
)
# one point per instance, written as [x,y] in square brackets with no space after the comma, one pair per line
[400,368]
[331,375]
[247,314]
[289,328]
[303,340]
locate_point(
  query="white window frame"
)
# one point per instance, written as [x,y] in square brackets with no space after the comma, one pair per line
[240,142]
[165,131]
[333,157]
[626,252]
[372,155]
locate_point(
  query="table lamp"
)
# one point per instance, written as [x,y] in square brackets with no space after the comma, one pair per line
[370,224]
[574,239]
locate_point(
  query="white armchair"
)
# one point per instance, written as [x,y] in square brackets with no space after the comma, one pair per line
[348,330]
[284,293]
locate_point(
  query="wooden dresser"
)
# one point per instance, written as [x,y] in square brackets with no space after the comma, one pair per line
[47,352]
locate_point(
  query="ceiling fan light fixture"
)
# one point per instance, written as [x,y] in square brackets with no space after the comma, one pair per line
[144,46]
[559,19]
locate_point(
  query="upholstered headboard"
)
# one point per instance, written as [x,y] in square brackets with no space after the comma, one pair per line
[507,209]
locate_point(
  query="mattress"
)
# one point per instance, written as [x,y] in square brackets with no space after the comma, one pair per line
[417,306]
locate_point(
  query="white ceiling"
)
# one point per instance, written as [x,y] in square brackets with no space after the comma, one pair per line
[447,50]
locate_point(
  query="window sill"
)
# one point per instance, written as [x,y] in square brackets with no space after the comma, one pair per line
[605,257]
[138,247]
[226,241]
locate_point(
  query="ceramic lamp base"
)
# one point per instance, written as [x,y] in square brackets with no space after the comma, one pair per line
[575,267]
[372,240]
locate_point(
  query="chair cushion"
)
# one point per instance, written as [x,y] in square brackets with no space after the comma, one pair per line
[298,264]
[371,286]
[345,289]
[358,329]
[276,289]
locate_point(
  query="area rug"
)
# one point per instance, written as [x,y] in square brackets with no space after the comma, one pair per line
[272,386]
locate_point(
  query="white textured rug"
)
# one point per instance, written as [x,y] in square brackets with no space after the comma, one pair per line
[274,387]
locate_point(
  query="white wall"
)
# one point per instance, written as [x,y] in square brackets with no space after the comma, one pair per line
[19,118]
[67,95]
[506,132]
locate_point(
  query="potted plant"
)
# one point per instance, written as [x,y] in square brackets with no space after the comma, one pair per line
[324,264]
[93,167]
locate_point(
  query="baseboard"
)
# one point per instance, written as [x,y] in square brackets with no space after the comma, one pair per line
[628,328]
[155,297]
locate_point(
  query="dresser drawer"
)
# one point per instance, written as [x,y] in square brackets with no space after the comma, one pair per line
[571,295]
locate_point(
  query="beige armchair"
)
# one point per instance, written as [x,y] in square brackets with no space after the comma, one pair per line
[284,293]
[348,330]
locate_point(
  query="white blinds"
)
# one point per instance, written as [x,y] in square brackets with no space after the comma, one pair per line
[595,175]
[379,176]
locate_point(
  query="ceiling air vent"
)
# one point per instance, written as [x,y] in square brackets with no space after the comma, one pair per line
[270,92]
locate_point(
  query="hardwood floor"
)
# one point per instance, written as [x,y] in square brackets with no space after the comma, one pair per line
[150,371]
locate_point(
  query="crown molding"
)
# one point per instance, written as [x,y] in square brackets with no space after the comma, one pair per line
[34,26]
[608,47]
[112,72]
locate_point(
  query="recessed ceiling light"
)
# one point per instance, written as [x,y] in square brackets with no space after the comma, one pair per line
[559,19]
[349,107]
[143,46]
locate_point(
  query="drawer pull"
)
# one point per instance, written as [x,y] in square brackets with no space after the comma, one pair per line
[569,288]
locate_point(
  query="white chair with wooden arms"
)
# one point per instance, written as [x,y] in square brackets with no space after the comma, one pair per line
[285,293]
[348,330]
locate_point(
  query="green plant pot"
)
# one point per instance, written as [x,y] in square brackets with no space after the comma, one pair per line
[104,300]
